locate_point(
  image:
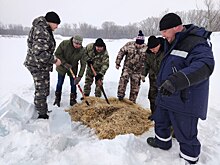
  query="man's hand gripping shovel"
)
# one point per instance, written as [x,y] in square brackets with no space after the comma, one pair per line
[100,84]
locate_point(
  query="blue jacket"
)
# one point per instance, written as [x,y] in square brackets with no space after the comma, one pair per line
[188,63]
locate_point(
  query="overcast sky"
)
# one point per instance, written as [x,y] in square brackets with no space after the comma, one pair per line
[93,12]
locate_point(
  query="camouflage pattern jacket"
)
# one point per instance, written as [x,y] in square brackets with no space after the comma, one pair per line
[41,45]
[134,60]
[68,54]
[100,60]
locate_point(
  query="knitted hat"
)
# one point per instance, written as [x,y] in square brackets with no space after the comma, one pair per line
[52,17]
[153,42]
[77,39]
[170,20]
[140,38]
[99,42]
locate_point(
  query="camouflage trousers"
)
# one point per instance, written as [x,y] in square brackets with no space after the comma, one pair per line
[42,90]
[88,82]
[134,84]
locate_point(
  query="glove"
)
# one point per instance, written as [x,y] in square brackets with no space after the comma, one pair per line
[167,88]
[142,78]
[89,62]
[98,77]
[77,80]
[67,66]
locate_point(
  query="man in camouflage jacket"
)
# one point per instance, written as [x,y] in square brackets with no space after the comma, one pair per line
[97,55]
[40,58]
[70,52]
[133,66]
[155,54]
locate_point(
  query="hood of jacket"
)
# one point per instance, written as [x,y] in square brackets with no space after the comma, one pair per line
[40,21]
[191,29]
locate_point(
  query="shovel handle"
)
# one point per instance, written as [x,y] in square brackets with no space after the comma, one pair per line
[80,89]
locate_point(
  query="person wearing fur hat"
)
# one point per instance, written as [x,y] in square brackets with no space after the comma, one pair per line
[155,54]
[40,59]
[183,82]
[71,53]
[97,56]
[134,53]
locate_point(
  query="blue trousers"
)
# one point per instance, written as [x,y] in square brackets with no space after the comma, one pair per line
[60,84]
[185,129]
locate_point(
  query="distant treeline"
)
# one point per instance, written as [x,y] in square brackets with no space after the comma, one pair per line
[209,18]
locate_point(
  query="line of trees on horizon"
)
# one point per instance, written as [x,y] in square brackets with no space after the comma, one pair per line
[209,18]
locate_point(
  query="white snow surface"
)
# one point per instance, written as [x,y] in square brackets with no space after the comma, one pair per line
[59,141]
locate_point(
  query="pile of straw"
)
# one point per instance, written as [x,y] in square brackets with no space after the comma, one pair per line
[110,120]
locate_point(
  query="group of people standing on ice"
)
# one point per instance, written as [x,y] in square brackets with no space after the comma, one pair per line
[178,65]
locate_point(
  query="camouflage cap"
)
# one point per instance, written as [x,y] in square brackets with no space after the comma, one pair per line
[77,39]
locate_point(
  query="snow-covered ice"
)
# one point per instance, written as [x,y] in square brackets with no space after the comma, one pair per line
[58,141]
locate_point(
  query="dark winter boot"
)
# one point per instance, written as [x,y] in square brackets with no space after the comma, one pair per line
[120,98]
[72,99]
[44,116]
[152,142]
[57,99]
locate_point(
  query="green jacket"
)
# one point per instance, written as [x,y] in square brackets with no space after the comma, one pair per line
[100,60]
[68,54]
[152,66]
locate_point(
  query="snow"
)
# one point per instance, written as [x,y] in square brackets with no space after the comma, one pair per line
[25,140]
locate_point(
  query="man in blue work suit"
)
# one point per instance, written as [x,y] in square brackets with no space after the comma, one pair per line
[183,82]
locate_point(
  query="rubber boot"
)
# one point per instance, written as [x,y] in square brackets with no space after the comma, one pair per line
[72,99]
[57,99]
